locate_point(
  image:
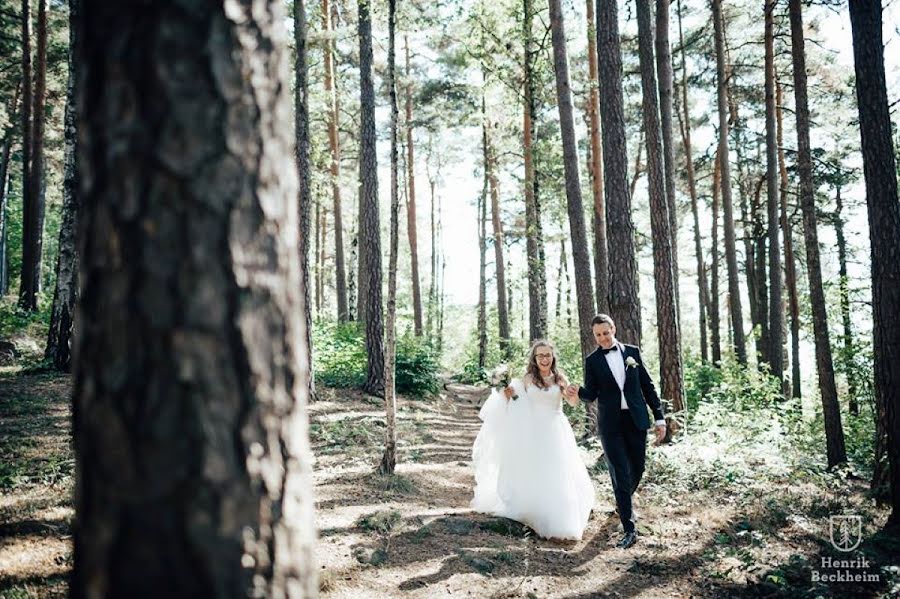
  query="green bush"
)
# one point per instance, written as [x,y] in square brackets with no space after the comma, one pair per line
[339,360]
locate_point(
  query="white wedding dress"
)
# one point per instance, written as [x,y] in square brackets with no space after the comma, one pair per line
[527,465]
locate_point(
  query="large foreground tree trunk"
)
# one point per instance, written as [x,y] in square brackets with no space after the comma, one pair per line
[62,317]
[583,288]
[834,433]
[884,229]
[369,227]
[624,305]
[193,468]
[671,375]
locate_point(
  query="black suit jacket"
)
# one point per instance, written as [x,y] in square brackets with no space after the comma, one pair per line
[600,385]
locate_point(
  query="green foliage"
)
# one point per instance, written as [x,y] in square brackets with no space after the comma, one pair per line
[340,360]
[15,322]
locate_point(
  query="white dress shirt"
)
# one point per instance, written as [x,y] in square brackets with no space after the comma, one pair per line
[616,360]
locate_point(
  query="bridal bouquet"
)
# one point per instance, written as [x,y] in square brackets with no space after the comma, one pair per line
[500,378]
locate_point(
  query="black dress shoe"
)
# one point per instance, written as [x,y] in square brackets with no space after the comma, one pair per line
[628,540]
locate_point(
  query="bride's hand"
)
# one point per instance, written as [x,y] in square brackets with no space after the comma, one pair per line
[509,392]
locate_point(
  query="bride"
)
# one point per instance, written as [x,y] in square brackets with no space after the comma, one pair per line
[527,465]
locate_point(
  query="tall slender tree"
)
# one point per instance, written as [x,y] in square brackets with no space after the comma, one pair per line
[411,224]
[787,233]
[844,292]
[334,144]
[666,86]
[624,305]
[5,180]
[715,337]
[369,227]
[304,197]
[583,289]
[65,293]
[193,467]
[601,250]
[734,295]
[482,252]
[884,229]
[776,302]
[389,457]
[28,280]
[490,168]
[671,372]
[534,240]
[685,121]
[834,433]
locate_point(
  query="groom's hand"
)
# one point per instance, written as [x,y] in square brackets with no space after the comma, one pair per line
[572,390]
[660,433]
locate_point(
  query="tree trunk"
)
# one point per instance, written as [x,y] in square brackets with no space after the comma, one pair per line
[301,125]
[534,242]
[389,458]
[666,85]
[757,267]
[834,433]
[432,287]
[482,250]
[671,374]
[62,318]
[601,251]
[411,203]
[703,290]
[369,227]
[490,169]
[583,288]
[193,467]
[776,302]
[334,143]
[638,167]
[624,304]
[790,268]
[846,319]
[5,185]
[734,297]
[884,229]
[714,312]
[31,256]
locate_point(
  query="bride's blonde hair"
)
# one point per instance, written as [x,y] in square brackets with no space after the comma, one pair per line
[534,373]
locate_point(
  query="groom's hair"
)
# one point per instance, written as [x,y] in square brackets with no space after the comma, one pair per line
[603,319]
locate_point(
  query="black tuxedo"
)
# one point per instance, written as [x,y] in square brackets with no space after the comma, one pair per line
[623,433]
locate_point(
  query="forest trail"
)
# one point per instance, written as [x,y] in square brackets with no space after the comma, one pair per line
[415,536]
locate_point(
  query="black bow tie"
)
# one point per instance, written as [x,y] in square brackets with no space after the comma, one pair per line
[606,351]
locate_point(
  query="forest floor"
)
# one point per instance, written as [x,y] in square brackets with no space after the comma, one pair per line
[719,516]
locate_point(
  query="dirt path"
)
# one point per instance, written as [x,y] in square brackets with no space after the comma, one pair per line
[437,547]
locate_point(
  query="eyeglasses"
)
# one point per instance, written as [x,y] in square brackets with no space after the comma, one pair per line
[543,356]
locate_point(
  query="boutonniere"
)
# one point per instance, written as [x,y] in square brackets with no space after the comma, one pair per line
[630,362]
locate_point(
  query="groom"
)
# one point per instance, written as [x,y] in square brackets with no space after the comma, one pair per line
[615,377]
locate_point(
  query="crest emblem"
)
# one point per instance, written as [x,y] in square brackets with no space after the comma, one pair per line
[846,532]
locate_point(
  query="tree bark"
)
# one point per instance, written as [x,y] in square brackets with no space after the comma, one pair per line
[193,467]
[482,250]
[846,319]
[734,297]
[369,227]
[389,457]
[776,302]
[334,143]
[884,230]
[5,179]
[671,373]
[703,290]
[714,312]
[304,197]
[65,294]
[624,304]
[601,251]
[490,168]
[534,242]
[790,268]
[583,288]
[411,223]
[30,215]
[834,433]
[666,85]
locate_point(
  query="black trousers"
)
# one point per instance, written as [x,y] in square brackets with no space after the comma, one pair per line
[625,450]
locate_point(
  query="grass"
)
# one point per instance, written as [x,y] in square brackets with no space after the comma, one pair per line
[382,521]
